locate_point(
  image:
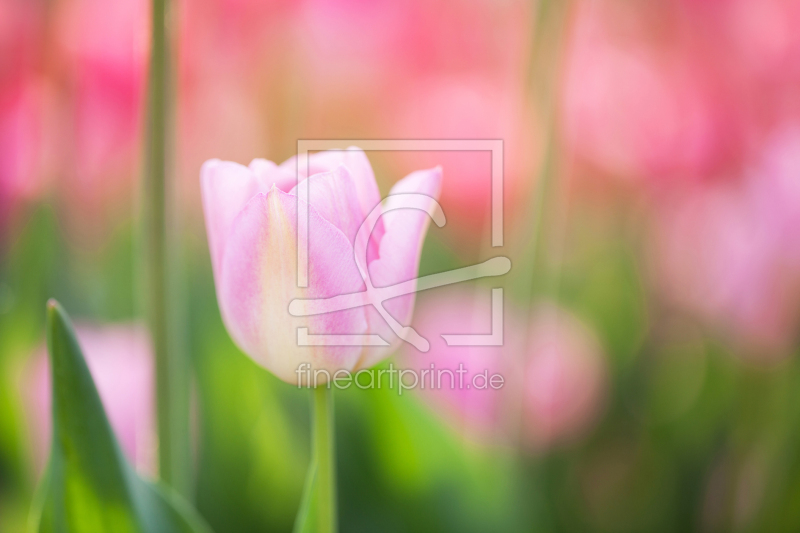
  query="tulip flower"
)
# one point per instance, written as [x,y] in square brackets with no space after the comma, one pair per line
[120,359]
[564,378]
[554,373]
[650,94]
[634,110]
[252,223]
[727,252]
[20,145]
[103,49]
[481,414]
[23,105]
[251,219]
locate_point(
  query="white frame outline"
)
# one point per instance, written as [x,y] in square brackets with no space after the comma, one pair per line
[495,146]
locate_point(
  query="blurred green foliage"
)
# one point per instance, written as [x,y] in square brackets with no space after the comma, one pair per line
[89,485]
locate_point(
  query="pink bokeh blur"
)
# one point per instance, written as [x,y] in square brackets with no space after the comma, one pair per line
[729,250]
[675,91]
[695,107]
[554,371]
[251,78]
[688,108]
[478,414]
[565,378]
[23,100]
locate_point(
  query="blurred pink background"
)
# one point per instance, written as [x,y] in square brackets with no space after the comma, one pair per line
[671,146]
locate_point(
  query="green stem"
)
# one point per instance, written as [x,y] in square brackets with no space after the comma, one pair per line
[324,457]
[156,221]
[162,303]
[548,49]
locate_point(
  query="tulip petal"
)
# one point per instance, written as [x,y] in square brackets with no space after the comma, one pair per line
[333,195]
[259,279]
[400,251]
[268,173]
[226,187]
[357,163]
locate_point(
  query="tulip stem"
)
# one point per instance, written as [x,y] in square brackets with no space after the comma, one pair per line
[324,458]
[161,275]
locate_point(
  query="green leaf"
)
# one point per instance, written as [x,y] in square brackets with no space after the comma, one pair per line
[89,485]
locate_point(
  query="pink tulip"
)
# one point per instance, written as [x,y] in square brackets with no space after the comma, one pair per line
[103,48]
[760,38]
[120,360]
[554,374]
[485,415]
[23,102]
[634,109]
[679,91]
[728,251]
[251,220]
[564,378]
[21,121]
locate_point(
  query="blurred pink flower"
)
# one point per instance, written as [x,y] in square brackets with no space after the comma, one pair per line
[22,104]
[729,251]
[634,108]
[103,47]
[357,46]
[232,32]
[251,221]
[365,56]
[679,91]
[483,415]
[21,35]
[351,43]
[21,144]
[439,69]
[120,359]
[554,371]
[759,38]
[470,107]
[565,378]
